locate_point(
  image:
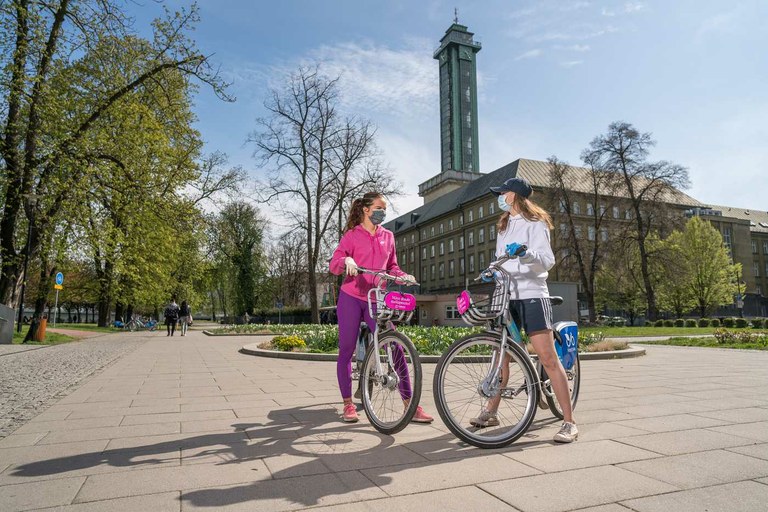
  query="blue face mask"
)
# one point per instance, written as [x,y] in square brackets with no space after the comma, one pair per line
[378,216]
[503,204]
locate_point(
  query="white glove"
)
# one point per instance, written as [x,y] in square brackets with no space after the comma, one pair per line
[409,278]
[351,266]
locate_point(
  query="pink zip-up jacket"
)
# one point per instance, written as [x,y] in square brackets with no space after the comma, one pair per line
[374,252]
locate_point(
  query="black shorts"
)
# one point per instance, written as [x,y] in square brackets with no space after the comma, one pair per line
[532,315]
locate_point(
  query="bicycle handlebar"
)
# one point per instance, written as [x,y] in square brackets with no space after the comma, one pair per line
[389,277]
[488,272]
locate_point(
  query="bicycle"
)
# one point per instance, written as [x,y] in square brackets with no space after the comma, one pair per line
[387,360]
[137,323]
[469,372]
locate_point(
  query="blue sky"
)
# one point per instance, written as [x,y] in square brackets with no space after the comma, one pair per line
[552,76]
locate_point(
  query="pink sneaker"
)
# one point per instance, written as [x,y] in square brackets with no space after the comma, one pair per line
[421,417]
[350,413]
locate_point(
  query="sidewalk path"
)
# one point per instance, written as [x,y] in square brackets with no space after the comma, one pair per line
[187,423]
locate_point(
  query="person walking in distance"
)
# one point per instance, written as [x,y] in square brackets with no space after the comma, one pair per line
[523,222]
[171,316]
[185,317]
[368,244]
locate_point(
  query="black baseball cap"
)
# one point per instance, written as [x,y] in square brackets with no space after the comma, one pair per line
[519,186]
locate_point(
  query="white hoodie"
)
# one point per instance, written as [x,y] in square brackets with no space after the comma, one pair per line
[529,273]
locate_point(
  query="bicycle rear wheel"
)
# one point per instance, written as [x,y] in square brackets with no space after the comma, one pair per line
[384,393]
[463,386]
[574,381]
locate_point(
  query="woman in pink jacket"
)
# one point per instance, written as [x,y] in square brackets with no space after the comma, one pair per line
[366,243]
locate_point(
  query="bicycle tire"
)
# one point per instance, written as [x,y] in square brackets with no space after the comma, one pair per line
[132,326]
[574,383]
[381,396]
[459,375]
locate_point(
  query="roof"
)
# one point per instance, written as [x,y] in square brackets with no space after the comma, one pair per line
[536,172]
[758,219]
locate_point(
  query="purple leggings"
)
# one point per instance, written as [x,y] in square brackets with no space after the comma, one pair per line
[350,312]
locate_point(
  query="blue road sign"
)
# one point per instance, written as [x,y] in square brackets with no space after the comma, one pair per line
[279,305]
[59,278]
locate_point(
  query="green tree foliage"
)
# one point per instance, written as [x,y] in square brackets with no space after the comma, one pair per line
[619,285]
[703,271]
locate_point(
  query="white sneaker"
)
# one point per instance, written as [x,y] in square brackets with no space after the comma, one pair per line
[568,433]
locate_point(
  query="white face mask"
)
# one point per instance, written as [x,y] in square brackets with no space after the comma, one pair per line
[503,203]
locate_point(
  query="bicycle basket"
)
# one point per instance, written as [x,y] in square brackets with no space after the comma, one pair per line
[482,308]
[391,305]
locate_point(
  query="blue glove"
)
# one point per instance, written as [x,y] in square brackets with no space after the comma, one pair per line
[487,278]
[514,247]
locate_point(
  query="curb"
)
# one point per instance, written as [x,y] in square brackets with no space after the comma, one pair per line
[254,350]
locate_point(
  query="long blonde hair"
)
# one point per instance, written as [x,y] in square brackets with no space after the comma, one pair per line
[356,213]
[528,209]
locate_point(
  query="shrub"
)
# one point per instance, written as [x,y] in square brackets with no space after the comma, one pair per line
[704,322]
[658,323]
[669,323]
[742,322]
[729,322]
[715,322]
[758,323]
[690,322]
[288,343]
[591,338]
[679,322]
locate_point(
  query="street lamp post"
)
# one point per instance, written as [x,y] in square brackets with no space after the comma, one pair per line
[32,203]
[739,299]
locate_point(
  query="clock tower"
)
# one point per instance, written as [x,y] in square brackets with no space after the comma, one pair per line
[459,155]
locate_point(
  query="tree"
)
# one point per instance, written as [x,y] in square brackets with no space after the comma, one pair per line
[708,271]
[319,162]
[54,56]
[617,284]
[598,188]
[647,186]
[238,235]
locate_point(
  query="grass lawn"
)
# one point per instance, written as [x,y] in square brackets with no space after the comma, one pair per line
[51,338]
[616,332]
[708,342]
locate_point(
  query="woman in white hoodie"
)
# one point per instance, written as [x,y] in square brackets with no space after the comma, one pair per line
[523,222]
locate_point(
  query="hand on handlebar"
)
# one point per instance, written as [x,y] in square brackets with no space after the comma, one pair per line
[516,249]
[351,266]
[408,278]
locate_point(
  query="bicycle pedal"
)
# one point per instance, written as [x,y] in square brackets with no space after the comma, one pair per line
[359,393]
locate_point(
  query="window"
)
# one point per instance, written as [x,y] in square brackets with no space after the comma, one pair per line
[591,232]
[451,313]
[590,209]
[765,247]
[616,212]
[492,232]
[481,259]
[766,268]
[491,255]
[491,209]
[424,273]
[759,290]
[461,219]
[441,270]
[451,269]
[471,238]
[563,230]
[413,238]
[576,208]
[561,206]
[432,272]
[432,231]
[424,253]
[432,251]
[754,246]
[423,234]
[402,257]
[602,210]
[461,243]
[480,213]
[481,235]
[471,216]
[727,237]
[441,228]
[461,267]
[627,214]
[471,262]
[604,234]
[756,269]
[442,248]
[413,255]
[577,231]
[450,225]
[450,245]
[403,240]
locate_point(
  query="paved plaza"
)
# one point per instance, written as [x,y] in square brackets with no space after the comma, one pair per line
[188,423]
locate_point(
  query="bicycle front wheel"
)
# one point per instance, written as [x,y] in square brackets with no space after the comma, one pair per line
[466,383]
[390,383]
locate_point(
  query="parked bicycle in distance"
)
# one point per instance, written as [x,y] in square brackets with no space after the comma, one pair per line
[469,372]
[387,361]
[137,323]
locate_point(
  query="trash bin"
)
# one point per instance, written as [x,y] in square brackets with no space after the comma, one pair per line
[40,334]
[7,316]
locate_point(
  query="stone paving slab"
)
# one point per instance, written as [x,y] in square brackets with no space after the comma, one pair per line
[189,423]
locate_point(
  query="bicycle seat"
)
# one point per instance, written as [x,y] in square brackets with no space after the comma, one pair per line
[556,301]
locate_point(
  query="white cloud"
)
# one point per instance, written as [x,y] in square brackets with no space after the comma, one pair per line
[606,12]
[571,63]
[531,54]
[574,48]
[631,7]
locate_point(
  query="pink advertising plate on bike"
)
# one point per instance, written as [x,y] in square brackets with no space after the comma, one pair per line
[462,302]
[400,301]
